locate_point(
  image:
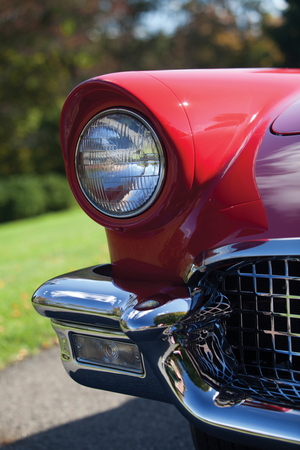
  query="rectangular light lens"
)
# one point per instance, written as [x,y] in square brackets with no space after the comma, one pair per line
[107,353]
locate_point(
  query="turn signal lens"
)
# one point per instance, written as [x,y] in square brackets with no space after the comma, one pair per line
[119,163]
[108,353]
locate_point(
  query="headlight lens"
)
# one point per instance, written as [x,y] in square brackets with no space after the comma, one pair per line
[119,163]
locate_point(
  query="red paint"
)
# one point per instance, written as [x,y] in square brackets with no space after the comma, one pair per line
[157,290]
[213,125]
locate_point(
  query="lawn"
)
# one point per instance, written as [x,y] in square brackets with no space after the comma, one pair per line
[31,252]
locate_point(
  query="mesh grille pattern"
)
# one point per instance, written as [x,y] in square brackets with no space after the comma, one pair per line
[264,327]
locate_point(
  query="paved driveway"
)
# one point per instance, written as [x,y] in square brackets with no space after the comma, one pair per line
[42,408]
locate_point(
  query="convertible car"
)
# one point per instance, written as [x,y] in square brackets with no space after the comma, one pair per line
[196,177]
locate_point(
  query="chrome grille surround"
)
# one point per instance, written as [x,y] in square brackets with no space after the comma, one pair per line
[264,328]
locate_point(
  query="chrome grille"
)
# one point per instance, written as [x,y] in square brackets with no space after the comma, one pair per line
[264,328]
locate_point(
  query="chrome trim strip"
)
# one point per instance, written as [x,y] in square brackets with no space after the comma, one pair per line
[274,247]
[199,407]
[249,249]
[105,333]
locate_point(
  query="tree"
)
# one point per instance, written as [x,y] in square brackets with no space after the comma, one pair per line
[218,33]
[286,33]
[46,49]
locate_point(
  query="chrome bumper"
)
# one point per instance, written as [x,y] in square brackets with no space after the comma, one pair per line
[90,303]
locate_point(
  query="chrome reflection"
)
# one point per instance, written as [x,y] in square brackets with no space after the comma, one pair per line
[134,320]
[83,297]
[191,376]
[259,424]
[202,334]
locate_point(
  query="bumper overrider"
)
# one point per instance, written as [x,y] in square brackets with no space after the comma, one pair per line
[225,349]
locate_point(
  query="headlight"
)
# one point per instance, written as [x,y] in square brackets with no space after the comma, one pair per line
[119,163]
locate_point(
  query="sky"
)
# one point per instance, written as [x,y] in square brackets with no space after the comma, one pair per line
[171,16]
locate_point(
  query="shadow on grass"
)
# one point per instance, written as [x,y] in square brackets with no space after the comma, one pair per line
[138,424]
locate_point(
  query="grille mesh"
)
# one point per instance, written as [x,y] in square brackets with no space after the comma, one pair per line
[264,328]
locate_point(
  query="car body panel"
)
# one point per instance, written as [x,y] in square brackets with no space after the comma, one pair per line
[206,281]
[212,123]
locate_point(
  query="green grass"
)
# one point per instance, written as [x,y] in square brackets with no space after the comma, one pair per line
[31,252]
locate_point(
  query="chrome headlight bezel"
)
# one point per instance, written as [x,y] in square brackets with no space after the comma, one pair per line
[161,161]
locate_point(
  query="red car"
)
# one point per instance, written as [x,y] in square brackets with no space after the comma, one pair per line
[196,177]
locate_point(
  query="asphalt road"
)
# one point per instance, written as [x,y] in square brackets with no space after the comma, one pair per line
[41,408]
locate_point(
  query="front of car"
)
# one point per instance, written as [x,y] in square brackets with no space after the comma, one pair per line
[194,175]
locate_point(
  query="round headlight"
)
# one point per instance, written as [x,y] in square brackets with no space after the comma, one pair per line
[119,163]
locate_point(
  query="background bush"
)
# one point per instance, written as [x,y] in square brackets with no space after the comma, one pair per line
[31,195]
[79,39]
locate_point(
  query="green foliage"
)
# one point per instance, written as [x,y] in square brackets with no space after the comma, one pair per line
[57,192]
[22,197]
[286,33]
[47,48]
[31,195]
[215,36]
[219,33]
